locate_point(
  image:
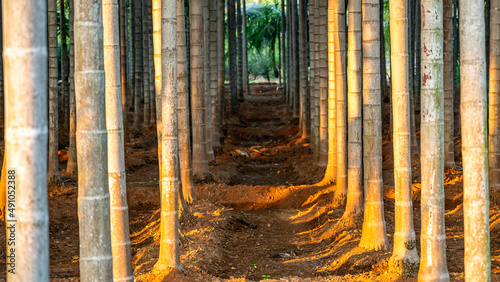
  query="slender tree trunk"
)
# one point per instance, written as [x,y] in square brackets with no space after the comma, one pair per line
[139,83]
[331,168]
[417,55]
[473,106]
[239,48]
[152,91]
[96,260]
[207,72]
[373,236]
[404,252]
[71,167]
[145,64]
[433,238]
[449,158]
[494,100]
[323,84]
[340,89]
[25,59]
[53,169]
[246,86]
[200,157]
[411,73]
[156,18]
[186,170]
[221,61]
[296,77]
[354,208]
[284,48]
[64,64]
[313,86]
[304,89]
[131,90]
[231,26]
[456,57]
[169,226]
[120,234]
[123,63]
[214,67]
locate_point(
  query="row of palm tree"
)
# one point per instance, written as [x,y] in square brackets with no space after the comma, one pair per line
[338,104]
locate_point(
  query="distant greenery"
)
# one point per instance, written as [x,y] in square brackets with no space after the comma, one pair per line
[263,31]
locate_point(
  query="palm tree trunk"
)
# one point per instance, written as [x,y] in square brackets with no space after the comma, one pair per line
[373,236]
[25,59]
[313,95]
[145,61]
[284,48]
[340,89]
[186,170]
[152,91]
[207,72]
[200,158]
[354,207]
[71,167]
[411,73]
[433,237]
[246,86]
[494,100]
[323,84]
[331,168]
[214,67]
[449,158]
[304,89]
[96,260]
[169,225]
[404,252]
[156,18]
[64,64]
[131,75]
[473,106]
[221,61]
[120,233]
[296,77]
[231,25]
[53,169]
[123,63]
[417,54]
[239,48]
[139,83]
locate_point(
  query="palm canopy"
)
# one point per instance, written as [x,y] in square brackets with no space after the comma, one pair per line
[263,25]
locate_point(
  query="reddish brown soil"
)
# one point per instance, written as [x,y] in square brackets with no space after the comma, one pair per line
[263,217]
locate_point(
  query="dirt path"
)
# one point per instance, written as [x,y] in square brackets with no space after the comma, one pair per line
[262,218]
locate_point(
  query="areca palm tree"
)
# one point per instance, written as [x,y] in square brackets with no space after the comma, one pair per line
[354,206]
[120,234]
[25,58]
[373,236]
[473,104]
[433,238]
[53,169]
[200,159]
[169,242]
[96,260]
[331,168]
[340,89]
[405,252]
